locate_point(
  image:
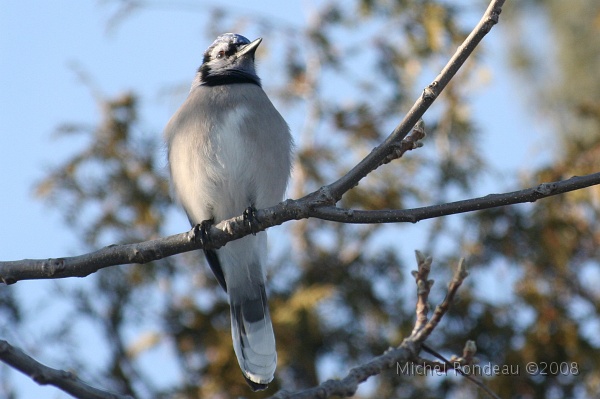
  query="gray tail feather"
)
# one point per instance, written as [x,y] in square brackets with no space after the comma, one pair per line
[253,338]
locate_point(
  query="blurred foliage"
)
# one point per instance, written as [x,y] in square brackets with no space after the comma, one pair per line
[554,246]
[339,293]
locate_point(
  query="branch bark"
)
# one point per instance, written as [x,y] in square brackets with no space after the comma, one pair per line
[44,375]
[414,215]
[148,251]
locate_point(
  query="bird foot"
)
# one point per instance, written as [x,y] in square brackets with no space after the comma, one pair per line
[251,219]
[201,230]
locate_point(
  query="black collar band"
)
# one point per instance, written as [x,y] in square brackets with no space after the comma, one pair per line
[232,76]
[218,80]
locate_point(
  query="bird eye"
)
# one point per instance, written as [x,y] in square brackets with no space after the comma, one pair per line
[220,54]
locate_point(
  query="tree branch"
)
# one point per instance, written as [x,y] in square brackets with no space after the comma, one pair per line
[333,192]
[414,215]
[348,385]
[44,375]
[407,352]
[148,251]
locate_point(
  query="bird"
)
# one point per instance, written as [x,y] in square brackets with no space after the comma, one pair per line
[230,152]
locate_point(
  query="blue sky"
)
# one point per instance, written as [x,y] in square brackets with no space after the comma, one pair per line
[42,42]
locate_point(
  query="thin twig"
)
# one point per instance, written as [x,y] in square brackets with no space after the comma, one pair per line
[424,328]
[423,288]
[459,276]
[456,366]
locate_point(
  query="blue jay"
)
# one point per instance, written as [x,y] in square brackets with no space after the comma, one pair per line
[229,150]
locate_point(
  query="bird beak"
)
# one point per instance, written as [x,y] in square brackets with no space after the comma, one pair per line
[250,48]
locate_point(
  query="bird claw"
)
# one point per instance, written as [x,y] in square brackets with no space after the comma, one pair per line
[251,219]
[201,232]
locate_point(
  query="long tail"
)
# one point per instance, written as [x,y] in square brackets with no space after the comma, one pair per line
[253,338]
[238,268]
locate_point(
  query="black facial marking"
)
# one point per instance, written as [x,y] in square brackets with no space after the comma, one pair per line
[205,59]
[231,50]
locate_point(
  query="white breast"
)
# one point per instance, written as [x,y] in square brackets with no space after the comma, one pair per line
[229,146]
[225,155]
[210,166]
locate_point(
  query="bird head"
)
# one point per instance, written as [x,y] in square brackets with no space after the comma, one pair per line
[228,60]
